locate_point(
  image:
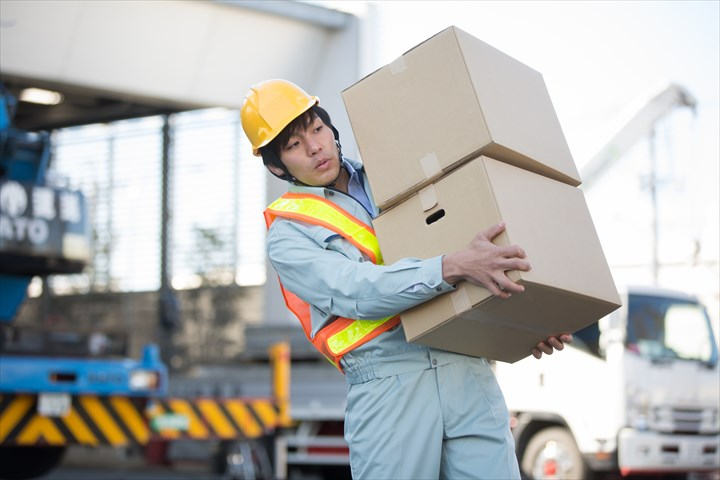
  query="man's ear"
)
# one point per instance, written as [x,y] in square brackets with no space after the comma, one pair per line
[277,171]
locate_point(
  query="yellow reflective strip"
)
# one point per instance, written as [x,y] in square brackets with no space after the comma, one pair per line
[131,418]
[13,414]
[268,415]
[79,429]
[244,419]
[40,427]
[104,422]
[214,416]
[353,333]
[320,210]
[196,428]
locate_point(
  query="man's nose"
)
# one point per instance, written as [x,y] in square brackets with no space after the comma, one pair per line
[313,146]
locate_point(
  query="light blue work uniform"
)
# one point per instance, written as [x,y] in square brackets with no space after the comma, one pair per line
[413,412]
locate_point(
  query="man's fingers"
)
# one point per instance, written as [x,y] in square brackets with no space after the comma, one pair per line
[556,343]
[498,290]
[545,348]
[508,286]
[551,344]
[513,251]
[494,231]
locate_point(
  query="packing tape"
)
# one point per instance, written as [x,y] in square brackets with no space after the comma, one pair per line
[428,199]
[430,165]
[460,300]
[398,66]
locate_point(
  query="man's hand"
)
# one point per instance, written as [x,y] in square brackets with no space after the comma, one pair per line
[484,263]
[551,344]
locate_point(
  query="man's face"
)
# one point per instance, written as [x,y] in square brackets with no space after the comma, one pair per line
[311,155]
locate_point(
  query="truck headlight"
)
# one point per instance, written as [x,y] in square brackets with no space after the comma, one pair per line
[144,380]
[638,412]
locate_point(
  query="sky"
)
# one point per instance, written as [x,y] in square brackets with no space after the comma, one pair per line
[597,57]
[600,60]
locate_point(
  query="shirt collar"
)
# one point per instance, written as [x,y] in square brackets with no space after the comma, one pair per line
[354,177]
[356,186]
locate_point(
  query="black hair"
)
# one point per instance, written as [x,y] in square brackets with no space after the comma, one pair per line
[271,152]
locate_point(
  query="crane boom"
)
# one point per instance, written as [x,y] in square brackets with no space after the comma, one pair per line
[639,125]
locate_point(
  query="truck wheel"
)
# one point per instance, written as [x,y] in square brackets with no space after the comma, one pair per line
[20,463]
[244,460]
[551,454]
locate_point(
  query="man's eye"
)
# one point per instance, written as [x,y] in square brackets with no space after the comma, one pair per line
[290,146]
[318,128]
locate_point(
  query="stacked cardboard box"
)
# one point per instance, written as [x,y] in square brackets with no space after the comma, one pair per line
[456,136]
[446,101]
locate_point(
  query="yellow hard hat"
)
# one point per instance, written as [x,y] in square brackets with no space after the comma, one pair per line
[269,107]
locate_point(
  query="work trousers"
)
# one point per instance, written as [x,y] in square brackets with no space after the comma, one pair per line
[447,422]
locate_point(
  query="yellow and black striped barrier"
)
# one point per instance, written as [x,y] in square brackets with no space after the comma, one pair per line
[208,418]
[122,421]
[90,420]
[227,418]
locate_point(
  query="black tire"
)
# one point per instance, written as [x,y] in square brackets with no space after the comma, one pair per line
[551,454]
[21,463]
[241,459]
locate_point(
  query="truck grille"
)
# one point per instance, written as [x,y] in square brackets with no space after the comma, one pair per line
[685,420]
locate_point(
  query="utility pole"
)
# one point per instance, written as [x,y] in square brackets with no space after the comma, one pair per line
[653,181]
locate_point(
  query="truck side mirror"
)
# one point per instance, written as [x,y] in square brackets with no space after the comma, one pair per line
[611,332]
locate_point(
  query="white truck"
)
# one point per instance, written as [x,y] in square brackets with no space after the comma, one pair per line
[636,393]
[639,391]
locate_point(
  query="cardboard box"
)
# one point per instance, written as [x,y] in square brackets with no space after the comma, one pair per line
[568,288]
[446,101]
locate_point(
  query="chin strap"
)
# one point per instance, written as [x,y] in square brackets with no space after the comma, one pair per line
[340,156]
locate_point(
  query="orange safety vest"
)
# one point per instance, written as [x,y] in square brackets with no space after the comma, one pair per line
[342,334]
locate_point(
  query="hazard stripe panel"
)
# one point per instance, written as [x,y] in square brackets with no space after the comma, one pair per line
[91,420]
[123,421]
[211,418]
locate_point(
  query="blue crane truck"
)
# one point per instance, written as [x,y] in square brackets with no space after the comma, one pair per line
[49,401]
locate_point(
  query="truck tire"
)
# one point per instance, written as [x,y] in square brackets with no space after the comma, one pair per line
[551,454]
[21,463]
[244,459]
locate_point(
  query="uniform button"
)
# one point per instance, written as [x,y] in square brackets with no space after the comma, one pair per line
[431,283]
[434,361]
[331,193]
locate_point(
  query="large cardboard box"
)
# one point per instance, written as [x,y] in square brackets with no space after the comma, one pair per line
[568,288]
[446,101]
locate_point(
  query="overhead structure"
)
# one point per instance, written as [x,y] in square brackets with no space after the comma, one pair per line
[114,59]
[640,124]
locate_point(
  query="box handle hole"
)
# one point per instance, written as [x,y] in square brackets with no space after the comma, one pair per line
[435,216]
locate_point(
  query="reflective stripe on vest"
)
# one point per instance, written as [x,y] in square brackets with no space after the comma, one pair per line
[318,211]
[342,334]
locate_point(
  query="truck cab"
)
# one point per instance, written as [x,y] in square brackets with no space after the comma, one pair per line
[636,393]
[49,400]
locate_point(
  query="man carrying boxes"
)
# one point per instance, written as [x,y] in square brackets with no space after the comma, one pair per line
[413,411]
[429,407]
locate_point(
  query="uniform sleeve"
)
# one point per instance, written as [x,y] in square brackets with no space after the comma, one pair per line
[331,274]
